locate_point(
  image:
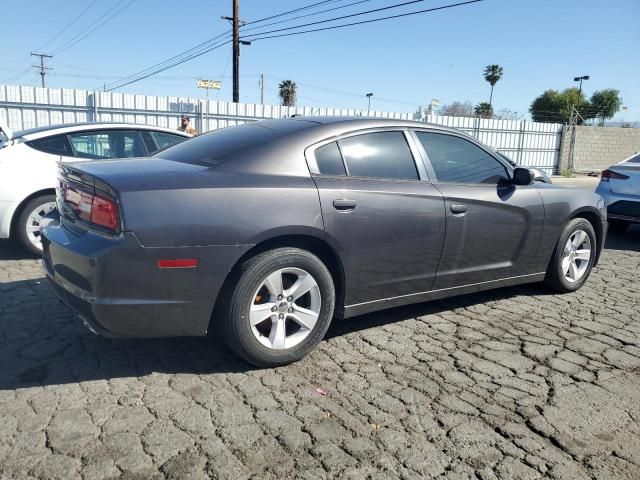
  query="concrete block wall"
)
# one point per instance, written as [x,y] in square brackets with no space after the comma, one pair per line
[598,147]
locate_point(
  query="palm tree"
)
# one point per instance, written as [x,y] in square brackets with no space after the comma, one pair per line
[492,73]
[287,92]
[484,110]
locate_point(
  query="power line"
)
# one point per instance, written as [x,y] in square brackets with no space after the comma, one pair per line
[15,67]
[167,64]
[20,74]
[93,26]
[305,15]
[201,47]
[254,39]
[68,25]
[80,36]
[351,94]
[53,38]
[120,85]
[282,14]
[366,12]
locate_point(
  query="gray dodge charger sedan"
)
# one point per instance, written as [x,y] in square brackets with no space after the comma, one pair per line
[265,232]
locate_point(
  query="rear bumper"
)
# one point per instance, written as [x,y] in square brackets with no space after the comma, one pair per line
[116,288]
[620,206]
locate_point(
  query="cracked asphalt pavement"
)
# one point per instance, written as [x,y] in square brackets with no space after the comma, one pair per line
[509,384]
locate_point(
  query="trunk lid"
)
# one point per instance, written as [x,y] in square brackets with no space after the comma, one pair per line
[137,174]
[628,186]
[81,184]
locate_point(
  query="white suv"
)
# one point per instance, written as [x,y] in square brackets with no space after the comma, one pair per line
[28,166]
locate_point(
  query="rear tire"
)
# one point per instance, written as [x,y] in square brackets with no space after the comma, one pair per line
[30,221]
[280,307]
[618,226]
[573,258]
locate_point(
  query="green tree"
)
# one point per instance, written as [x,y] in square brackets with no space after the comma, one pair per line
[492,74]
[555,107]
[484,110]
[457,109]
[287,91]
[605,104]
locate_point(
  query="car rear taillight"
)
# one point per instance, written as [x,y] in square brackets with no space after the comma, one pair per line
[606,175]
[98,210]
[104,213]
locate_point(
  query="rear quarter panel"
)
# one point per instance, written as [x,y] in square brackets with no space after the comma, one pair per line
[561,205]
[231,209]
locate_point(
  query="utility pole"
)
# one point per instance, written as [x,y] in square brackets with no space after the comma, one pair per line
[43,69]
[236,49]
[236,53]
[262,89]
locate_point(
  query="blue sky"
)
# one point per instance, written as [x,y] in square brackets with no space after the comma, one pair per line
[406,62]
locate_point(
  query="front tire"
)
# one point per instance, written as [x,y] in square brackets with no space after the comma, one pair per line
[29,225]
[573,257]
[280,308]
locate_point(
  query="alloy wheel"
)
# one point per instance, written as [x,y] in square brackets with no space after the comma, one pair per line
[576,255]
[36,221]
[285,308]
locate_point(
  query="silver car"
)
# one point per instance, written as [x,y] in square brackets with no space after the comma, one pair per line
[620,188]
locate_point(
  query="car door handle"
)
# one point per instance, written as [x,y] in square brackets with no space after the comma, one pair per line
[344,205]
[457,209]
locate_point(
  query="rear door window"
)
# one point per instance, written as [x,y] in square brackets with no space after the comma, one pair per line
[56,145]
[108,144]
[329,160]
[379,155]
[164,140]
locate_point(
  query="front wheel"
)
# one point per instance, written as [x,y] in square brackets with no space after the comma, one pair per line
[31,221]
[573,257]
[280,308]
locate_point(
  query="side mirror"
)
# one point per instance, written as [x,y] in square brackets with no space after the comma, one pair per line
[523,176]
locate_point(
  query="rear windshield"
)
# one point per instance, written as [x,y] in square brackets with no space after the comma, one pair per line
[217,146]
[635,159]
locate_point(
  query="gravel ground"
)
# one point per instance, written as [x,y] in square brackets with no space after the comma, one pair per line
[510,384]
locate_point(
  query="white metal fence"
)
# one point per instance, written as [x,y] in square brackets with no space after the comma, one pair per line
[527,143]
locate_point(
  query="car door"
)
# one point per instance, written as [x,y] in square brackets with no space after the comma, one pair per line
[380,211]
[101,144]
[493,226]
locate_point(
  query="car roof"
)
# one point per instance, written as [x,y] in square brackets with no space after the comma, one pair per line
[336,125]
[367,122]
[323,128]
[40,132]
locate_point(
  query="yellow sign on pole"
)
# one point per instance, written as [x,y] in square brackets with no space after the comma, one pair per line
[209,84]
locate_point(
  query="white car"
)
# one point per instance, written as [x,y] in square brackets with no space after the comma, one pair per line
[28,166]
[620,187]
